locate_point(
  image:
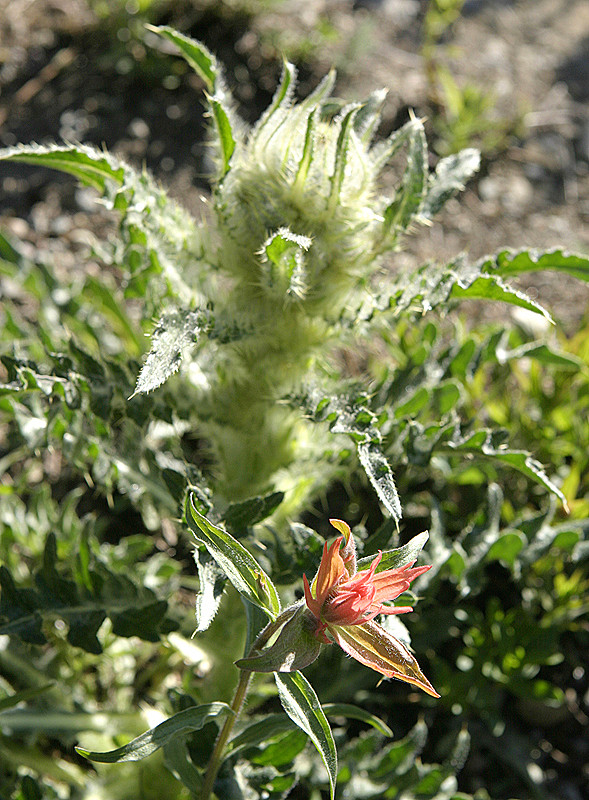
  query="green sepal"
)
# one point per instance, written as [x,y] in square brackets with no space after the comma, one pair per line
[295,648]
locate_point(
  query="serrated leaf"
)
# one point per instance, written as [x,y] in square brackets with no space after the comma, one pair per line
[211,580]
[380,476]
[450,177]
[183,723]
[242,569]
[302,706]
[133,610]
[515,262]
[175,331]
[492,288]
[89,165]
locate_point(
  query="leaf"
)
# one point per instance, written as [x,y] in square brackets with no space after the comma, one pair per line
[409,198]
[492,288]
[211,580]
[224,132]
[89,165]
[184,722]
[284,253]
[23,696]
[239,516]
[175,331]
[355,712]
[400,557]
[295,648]
[242,569]
[265,729]
[302,706]
[380,475]
[346,123]
[202,61]
[515,262]
[449,178]
[133,610]
[433,285]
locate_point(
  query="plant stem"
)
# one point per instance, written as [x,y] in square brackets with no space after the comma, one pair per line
[237,703]
[224,733]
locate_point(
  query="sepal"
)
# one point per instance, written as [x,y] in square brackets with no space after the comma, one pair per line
[295,648]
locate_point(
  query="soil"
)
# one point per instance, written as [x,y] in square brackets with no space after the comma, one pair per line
[68,74]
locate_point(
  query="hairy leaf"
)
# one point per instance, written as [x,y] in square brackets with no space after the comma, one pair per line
[181,724]
[302,706]
[244,572]
[175,331]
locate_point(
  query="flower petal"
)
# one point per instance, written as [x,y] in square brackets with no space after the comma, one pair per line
[372,646]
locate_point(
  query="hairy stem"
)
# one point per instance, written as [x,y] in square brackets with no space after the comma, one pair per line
[224,733]
[237,703]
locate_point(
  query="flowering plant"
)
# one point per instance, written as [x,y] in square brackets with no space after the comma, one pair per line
[340,606]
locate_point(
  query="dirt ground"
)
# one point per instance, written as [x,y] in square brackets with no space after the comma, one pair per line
[67,74]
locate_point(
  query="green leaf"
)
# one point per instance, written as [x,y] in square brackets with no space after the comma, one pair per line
[242,569]
[302,706]
[224,132]
[21,697]
[89,165]
[239,516]
[492,288]
[409,198]
[185,722]
[544,354]
[449,178]
[399,557]
[175,331]
[515,262]
[355,712]
[295,648]
[202,61]
[133,610]
[346,123]
[284,253]
[262,730]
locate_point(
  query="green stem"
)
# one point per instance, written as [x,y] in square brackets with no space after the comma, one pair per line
[224,733]
[236,705]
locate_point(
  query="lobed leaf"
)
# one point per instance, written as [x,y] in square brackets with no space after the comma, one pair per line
[133,610]
[302,706]
[181,724]
[450,176]
[242,569]
[515,262]
[176,330]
